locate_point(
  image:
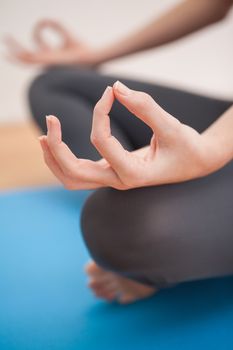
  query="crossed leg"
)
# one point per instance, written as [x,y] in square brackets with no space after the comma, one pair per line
[144,239]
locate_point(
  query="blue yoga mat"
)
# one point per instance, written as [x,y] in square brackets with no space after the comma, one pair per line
[46,305]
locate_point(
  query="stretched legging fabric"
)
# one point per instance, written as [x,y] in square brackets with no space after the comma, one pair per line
[159,235]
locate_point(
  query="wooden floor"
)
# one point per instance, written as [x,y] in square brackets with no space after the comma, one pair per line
[21,160]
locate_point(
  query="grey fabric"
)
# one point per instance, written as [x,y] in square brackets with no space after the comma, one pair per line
[159,235]
[163,235]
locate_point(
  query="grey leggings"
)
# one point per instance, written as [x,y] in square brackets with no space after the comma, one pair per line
[159,235]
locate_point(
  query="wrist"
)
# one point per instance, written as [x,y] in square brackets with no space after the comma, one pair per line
[88,57]
[218,140]
[215,154]
[95,57]
[107,53]
[99,56]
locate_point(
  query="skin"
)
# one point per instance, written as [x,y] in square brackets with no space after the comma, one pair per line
[70,50]
[176,152]
[184,19]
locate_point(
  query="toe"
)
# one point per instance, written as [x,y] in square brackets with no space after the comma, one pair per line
[92,269]
[99,286]
[106,296]
[126,299]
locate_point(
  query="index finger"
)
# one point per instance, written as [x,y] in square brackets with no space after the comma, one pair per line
[106,144]
[84,169]
[55,26]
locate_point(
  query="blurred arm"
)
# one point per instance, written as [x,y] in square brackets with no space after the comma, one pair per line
[187,17]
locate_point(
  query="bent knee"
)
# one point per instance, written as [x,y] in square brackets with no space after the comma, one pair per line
[102,226]
[121,231]
[39,84]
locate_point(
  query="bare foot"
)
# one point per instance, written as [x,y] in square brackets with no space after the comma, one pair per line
[110,286]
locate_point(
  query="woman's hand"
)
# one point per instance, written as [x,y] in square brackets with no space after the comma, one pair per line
[71,50]
[176,152]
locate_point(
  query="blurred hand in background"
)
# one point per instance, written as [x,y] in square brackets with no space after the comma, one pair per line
[70,50]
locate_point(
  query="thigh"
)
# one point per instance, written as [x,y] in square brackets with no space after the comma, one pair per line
[164,235]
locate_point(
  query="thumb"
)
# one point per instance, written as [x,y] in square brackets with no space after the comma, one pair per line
[145,108]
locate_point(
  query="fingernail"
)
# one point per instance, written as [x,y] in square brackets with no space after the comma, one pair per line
[123,89]
[106,91]
[47,120]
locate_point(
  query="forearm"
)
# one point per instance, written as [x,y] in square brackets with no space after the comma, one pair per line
[219,140]
[187,17]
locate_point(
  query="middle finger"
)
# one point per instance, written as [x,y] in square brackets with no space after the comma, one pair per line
[84,169]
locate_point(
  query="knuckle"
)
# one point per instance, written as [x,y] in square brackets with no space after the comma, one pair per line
[95,138]
[97,108]
[174,128]
[144,97]
[143,101]
[176,124]
[147,100]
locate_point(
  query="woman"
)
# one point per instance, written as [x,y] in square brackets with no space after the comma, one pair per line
[162,211]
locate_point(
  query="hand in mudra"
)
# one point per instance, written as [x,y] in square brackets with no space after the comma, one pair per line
[70,50]
[176,152]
